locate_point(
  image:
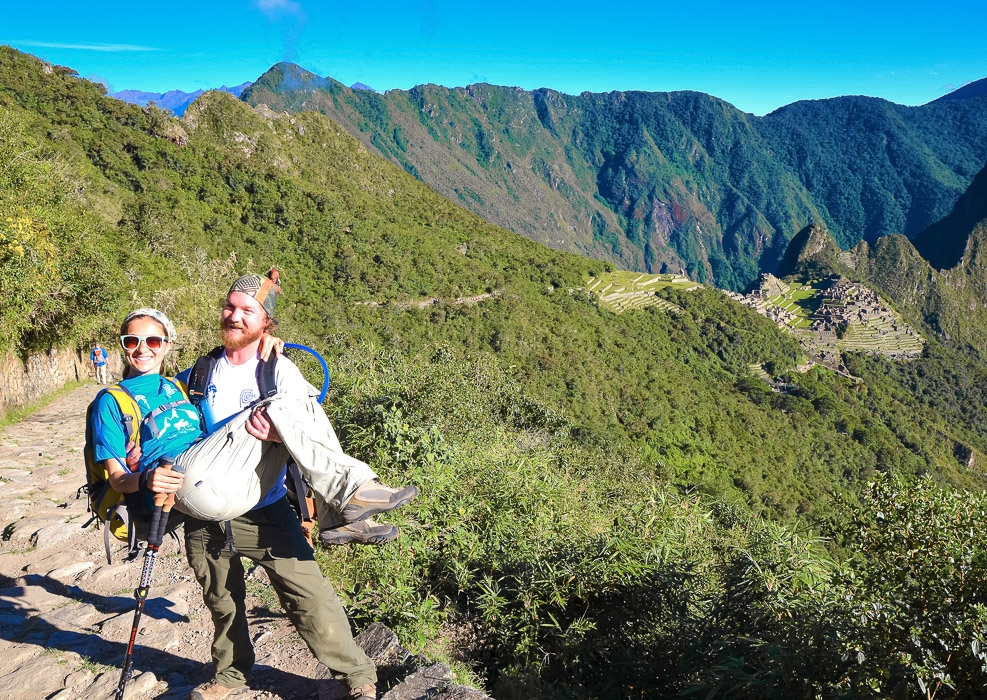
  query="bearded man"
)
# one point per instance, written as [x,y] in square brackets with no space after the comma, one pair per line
[270,534]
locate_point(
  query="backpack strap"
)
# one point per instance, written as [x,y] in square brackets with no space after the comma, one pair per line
[266,384]
[300,488]
[198,379]
[129,409]
[123,515]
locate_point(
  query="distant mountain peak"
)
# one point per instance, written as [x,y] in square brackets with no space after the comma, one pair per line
[812,243]
[361,86]
[175,100]
[290,77]
[977,88]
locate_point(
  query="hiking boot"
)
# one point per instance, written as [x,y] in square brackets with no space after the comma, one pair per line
[211,691]
[374,497]
[360,532]
[364,692]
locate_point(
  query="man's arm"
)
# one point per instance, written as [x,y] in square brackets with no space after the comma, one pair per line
[290,381]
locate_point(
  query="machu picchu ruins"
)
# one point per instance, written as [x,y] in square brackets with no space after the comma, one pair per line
[834,315]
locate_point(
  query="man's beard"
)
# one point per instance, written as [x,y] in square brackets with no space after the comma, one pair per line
[236,341]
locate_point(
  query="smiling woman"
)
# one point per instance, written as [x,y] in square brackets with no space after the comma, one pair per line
[146,336]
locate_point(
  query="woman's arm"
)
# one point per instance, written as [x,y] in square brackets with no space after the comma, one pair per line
[268,343]
[121,480]
[158,480]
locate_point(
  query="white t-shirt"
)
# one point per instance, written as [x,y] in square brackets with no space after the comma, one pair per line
[232,388]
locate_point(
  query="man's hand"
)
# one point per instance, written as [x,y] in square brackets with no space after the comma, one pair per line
[260,426]
[164,480]
[268,343]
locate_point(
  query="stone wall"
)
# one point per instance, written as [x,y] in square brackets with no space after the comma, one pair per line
[45,372]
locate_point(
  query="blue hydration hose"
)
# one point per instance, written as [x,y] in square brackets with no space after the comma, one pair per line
[325,367]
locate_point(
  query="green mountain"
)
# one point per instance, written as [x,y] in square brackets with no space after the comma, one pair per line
[940,280]
[951,241]
[812,252]
[611,504]
[663,182]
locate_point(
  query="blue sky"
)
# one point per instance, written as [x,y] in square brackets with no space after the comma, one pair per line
[758,55]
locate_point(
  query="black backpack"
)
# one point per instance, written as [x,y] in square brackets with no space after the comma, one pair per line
[198,381]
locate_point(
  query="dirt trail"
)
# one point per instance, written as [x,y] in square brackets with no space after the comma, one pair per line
[65,615]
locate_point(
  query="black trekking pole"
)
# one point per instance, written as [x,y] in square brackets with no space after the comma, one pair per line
[159,523]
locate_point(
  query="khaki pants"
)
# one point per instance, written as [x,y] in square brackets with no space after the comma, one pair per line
[271,537]
[228,472]
[103,374]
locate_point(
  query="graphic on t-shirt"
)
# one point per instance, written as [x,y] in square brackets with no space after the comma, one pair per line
[176,420]
[247,397]
[211,394]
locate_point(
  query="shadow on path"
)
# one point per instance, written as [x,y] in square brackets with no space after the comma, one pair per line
[21,623]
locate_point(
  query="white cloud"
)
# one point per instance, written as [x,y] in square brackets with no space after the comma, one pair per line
[85,47]
[277,7]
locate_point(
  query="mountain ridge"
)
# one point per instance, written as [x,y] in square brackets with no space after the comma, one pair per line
[975,88]
[177,101]
[678,182]
[946,243]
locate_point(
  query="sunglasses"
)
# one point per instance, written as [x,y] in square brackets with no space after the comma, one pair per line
[153,342]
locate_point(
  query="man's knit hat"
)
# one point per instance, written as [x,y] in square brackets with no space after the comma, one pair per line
[264,289]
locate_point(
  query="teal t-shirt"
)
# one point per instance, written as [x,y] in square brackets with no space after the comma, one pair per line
[167,434]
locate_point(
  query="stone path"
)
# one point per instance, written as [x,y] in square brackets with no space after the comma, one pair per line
[66,615]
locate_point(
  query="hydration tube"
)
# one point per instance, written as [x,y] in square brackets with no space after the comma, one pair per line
[325,367]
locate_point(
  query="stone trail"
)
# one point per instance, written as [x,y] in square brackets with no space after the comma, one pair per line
[66,615]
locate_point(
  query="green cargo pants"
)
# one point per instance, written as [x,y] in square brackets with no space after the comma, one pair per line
[272,537]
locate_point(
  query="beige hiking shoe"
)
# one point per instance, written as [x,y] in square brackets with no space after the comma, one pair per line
[364,692]
[212,691]
[360,532]
[374,497]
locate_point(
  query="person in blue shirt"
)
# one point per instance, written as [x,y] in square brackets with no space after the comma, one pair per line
[98,358]
[146,337]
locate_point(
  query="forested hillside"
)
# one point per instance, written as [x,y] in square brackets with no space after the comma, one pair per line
[612,505]
[664,181]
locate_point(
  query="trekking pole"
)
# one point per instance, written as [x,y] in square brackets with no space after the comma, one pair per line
[159,523]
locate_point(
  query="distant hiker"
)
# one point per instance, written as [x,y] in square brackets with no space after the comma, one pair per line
[98,358]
